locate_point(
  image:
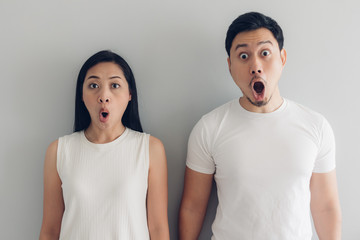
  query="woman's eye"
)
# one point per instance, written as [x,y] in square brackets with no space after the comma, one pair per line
[115,85]
[93,85]
[265,53]
[244,56]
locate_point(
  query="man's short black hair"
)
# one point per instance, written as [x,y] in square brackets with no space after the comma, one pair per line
[252,21]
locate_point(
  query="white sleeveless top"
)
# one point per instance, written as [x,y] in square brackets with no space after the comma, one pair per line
[104,187]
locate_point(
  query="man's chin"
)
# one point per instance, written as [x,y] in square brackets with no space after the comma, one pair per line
[258,103]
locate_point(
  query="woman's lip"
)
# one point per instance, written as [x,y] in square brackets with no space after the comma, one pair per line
[105,110]
[103,118]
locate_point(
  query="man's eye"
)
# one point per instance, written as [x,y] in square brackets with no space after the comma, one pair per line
[93,85]
[265,53]
[244,56]
[115,85]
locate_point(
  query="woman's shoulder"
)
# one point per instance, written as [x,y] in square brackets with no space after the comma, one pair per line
[156,147]
[155,144]
[153,141]
[71,138]
[136,134]
[51,155]
[52,148]
[72,135]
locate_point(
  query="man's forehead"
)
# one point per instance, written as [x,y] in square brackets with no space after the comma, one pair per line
[254,37]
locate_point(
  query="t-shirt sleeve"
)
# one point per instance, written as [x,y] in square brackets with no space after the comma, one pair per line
[199,156]
[325,161]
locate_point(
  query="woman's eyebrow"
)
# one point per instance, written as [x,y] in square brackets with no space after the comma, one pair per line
[115,77]
[96,77]
[93,77]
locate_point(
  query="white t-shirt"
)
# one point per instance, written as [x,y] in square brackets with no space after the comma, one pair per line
[262,165]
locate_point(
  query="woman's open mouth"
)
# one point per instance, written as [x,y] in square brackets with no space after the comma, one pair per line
[104,115]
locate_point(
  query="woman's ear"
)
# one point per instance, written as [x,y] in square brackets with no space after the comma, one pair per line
[283,56]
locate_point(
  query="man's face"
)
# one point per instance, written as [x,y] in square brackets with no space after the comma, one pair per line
[255,64]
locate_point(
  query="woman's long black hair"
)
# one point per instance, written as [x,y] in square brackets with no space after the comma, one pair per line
[131,118]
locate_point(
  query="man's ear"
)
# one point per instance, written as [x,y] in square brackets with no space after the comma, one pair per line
[283,56]
[229,64]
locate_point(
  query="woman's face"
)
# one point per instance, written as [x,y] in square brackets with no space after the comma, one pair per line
[106,95]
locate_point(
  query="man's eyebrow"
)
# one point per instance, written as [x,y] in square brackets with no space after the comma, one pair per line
[259,43]
[264,42]
[240,45]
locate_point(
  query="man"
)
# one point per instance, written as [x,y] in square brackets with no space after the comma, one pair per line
[273,160]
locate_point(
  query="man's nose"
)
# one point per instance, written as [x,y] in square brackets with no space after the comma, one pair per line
[256,71]
[255,67]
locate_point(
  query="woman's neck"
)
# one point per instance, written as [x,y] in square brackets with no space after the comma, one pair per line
[97,135]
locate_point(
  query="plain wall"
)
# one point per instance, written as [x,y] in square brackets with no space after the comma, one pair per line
[176,50]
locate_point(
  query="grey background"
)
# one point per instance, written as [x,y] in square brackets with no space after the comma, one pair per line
[176,50]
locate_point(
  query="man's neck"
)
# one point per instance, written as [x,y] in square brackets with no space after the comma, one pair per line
[272,105]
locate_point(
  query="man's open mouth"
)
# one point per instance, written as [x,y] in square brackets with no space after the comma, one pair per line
[258,87]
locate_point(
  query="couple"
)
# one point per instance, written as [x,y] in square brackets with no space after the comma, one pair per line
[273,160]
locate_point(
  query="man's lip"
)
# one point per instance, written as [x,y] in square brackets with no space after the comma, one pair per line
[256,79]
[258,96]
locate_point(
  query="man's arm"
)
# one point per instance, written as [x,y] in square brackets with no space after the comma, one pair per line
[325,206]
[197,188]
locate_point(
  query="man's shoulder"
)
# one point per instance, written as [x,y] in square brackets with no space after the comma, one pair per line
[219,112]
[212,121]
[304,113]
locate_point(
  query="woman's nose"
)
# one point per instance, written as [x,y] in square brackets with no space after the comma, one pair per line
[103,99]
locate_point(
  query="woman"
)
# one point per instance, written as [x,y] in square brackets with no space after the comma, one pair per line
[107,180]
